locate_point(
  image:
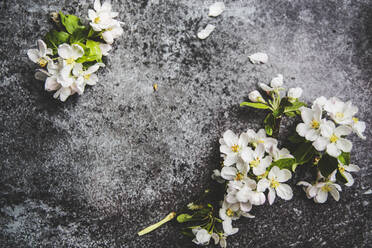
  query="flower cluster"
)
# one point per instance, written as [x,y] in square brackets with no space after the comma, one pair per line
[328,135]
[253,164]
[71,55]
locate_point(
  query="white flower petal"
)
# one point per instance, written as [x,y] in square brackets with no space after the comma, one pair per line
[320,143]
[265,87]
[263,184]
[302,129]
[352,168]
[284,191]
[284,175]
[333,150]
[334,193]
[216,9]
[230,159]
[51,84]
[108,37]
[344,144]
[228,173]
[33,55]
[277,81]
[64,51]
[204,33]
[76,51]
[230,138]
[271,196]
[342,131]
[307,115]
[65,92]
[321,196]
[258,58]
[42,48]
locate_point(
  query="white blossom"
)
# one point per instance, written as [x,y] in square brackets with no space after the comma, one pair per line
[275,184]
[278,154]
[358,127]
[320,101]
[294,93]
[331,139]
[345,169]
[340,112]
[202,236]
[232,146]
[84,77]
[260,138]
[256,96]
[39,56]
[101,16]
[257,160]
[310,128]
[113,31]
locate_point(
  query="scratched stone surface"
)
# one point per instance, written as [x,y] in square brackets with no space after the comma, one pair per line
[93,171]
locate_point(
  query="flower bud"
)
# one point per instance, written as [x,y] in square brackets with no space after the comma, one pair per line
[55,17]
[294,93]
[277,81]
[255,96]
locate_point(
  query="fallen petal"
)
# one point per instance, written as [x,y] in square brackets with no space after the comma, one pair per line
[258,58]
[216,9]
[203,34]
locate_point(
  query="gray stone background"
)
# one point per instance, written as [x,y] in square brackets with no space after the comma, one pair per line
[95,170]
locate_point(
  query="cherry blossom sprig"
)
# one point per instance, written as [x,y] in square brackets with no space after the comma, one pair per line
[278,105]
[71,54]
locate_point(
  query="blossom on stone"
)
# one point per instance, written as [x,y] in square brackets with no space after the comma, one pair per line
[84,77]
[310,128]
[228,228]
[345,169]
[331,139]
[260,138]
[277,153]
[275,183]
[257,160]
[358,127]
[113,31]
[294,93]
[275,84]
[341,112]
[255,96]
[320,101]
[40,56]
[101,16]
[319,190]
[232,146]
[202,236]
[244,192]
[258,58]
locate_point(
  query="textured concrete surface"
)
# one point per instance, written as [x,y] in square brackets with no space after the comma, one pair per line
[95,170]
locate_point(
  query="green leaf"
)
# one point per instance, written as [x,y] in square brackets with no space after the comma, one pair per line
[285,163]
[187,233]
[254,105]
[290,114]
[294,106]
[184,218]
[54,38]
[79,35]
[304,153]
[92,52]
[295,138]
[327,164]
[269,123]
[344,158]
[341,178]
[71,22]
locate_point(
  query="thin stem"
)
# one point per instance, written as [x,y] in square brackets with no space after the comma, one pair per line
[157,225]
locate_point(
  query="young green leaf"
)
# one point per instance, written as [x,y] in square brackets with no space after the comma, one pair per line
[294,106]
[269,123]
[285,163]
[304,153]
[70,22]
[254,105]
[54,38]
[327,164]
[184,218]
[344,158]
[92,52]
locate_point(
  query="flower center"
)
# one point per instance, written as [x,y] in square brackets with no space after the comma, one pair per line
[274,184]
[43,62]
[97,20]
[326,188]
[355,119]
[86,77]
[314,124]
[235,148]
[255,163]
[333,138]
[70,61]
[229,212]
[239,176]
[339,115]
[341,168]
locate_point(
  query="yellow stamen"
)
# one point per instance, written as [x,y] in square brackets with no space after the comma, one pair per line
[97,20]
[70,61]
[229,212]
[235,148]
[339,115]
[261,141]
[239,176]
[157,225]
[43,62]
[274,184]
[326,188]
[333,138]
[314,124]
[86,77]
[155,86]
[255,163]
[341,168]
[355,119]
